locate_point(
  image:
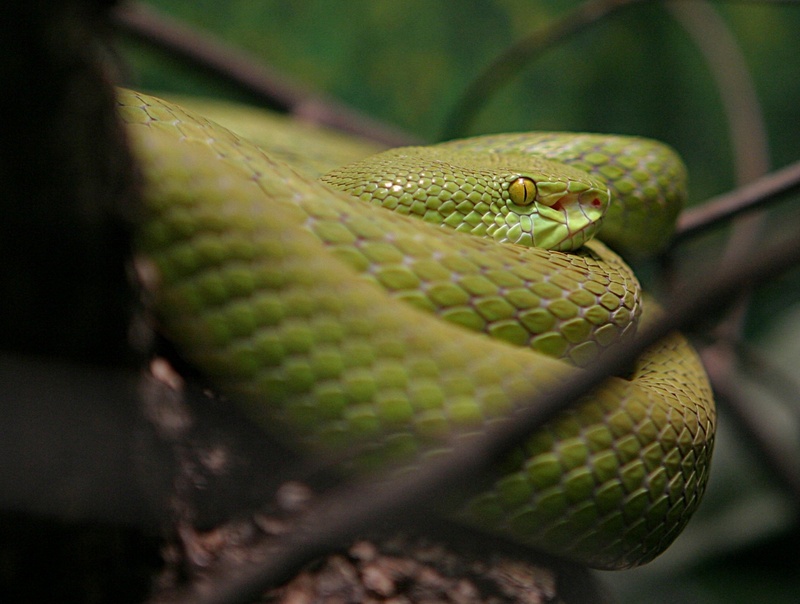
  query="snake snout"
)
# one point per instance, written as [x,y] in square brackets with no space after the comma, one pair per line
[565,215]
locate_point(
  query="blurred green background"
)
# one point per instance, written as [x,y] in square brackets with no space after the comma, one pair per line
[634,72]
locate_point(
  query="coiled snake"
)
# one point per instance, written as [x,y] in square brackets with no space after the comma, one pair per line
[337,323]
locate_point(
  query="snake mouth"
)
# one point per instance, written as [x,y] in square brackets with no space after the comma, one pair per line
[591,204]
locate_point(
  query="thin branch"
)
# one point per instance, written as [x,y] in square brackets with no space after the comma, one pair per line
[348,512]
[275,91]
[728,68]
[748,198]
[508,64]
[746,128]
[745,124]
[748,136]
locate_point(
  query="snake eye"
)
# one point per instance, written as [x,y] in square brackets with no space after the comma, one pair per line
[522,191]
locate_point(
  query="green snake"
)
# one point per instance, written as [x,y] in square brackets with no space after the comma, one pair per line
[340,325]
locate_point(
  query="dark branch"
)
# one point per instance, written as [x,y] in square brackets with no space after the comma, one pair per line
[746,127]
[727,66]
[346,513]
[276,91]
[68,188]
[754,196]
[504,67]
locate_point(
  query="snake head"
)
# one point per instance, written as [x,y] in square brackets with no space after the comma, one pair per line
[552,207]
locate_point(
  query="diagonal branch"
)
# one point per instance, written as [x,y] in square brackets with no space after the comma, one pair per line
[275,91]
[756,195]
[344,514]
[505,66]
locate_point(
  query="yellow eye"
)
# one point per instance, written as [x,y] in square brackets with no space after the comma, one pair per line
[522,191]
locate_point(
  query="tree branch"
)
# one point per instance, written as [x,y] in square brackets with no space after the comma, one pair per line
[206,53]
[505,66]
[754,196]
[349,511]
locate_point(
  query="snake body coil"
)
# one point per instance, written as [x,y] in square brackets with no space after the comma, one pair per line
[291,296]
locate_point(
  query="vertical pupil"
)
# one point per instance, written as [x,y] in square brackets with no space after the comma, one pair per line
[523,191]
